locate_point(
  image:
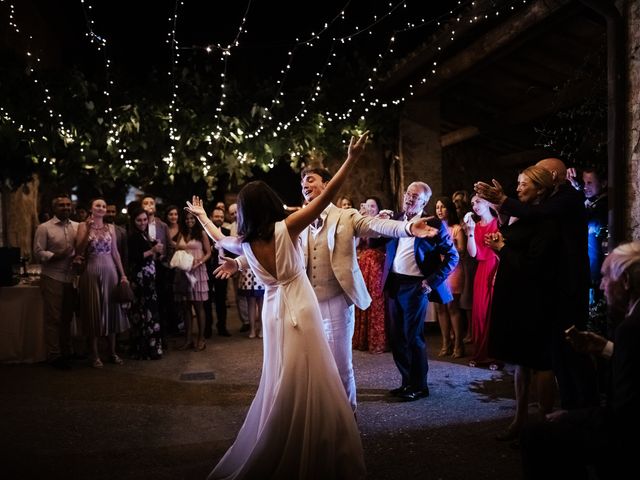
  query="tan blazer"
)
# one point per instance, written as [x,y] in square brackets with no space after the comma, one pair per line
[344,225]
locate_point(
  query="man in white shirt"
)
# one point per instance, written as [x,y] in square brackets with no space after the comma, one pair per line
[54,247]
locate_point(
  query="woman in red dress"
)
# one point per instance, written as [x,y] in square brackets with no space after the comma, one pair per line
[485,221]
[369,331]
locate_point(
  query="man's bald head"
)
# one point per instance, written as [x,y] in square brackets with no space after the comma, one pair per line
[556,167]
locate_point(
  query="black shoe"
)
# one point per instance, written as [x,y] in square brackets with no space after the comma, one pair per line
[400,390]
[60,363]
[207,333]
[245,327]
[224,333]
[413,395]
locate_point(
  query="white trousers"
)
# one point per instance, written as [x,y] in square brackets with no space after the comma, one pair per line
[338,320]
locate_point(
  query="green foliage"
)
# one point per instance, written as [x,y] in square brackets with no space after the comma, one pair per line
[123,139]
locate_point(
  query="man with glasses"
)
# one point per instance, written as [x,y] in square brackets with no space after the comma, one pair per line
[415,271]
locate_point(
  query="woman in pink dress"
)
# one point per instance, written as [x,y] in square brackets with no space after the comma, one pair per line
[369,331]
[485,221]
[449,315]
[193,239]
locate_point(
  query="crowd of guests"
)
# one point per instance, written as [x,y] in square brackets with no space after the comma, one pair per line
[509,277]
[88,258]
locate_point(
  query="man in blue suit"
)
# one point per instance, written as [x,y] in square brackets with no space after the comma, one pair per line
[414,273]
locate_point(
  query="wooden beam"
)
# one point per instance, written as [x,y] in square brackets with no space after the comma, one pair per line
[460,135]
[502,39]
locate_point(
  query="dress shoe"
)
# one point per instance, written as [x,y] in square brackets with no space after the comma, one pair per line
[223,333]
[207,333]
[400,390]
[245,327]
[412,395]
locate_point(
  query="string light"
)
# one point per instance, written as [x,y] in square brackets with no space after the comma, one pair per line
[64,133]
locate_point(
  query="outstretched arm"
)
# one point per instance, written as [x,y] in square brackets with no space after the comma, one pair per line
[196,209]
[301,219]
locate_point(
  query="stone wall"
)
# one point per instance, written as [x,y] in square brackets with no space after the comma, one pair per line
[632,14]
[421,153]
[20,212]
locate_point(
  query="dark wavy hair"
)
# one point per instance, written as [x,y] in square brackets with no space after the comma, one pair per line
[259,207]
[194,233]
[133,214]
[452,213]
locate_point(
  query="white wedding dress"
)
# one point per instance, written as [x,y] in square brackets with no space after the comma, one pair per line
[300,424]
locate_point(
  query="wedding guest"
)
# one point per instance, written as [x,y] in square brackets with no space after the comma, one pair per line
[415,271]
[100,315]
[344,202]
[54,247]
[121,233]
[145,338]
[157,231]
[175,321]
[481,222]
[598,441]
[449,314]
[575,372]
[194,240]
[520,327]
[370,324]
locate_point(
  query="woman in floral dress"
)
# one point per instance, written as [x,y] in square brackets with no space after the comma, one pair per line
[146,338]
[99,314]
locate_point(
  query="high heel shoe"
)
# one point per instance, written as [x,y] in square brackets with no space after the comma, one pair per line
[186,346]
[458,352]
[201,346]
[445,351]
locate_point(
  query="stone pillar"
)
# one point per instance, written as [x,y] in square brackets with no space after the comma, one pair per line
[421,153]
[633,117]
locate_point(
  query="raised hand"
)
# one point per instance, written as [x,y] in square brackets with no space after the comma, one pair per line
[469,221]
[491,193]
[195,207]
[356,147]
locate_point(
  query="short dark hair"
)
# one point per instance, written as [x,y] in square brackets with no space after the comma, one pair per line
[259,207]
[375,199]
[321,171]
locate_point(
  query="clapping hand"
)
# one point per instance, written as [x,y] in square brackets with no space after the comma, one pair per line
[495,241]
[491,193]
[195,207]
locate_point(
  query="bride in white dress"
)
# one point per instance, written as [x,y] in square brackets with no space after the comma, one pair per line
[300,424]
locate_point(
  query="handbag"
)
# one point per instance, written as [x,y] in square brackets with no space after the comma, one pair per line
[181,260]
[122,293]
